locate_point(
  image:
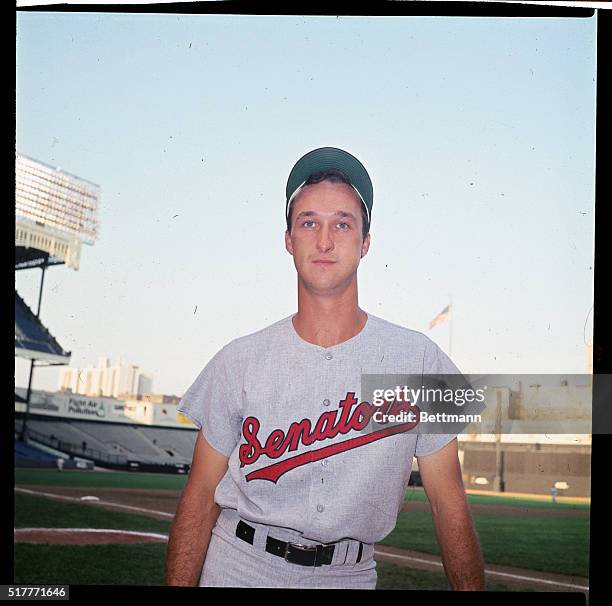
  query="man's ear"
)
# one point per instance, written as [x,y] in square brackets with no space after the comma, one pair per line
[365,246]
[288,243]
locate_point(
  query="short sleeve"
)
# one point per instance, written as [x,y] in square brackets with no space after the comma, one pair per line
[436,362]
[213,404]
[428,443]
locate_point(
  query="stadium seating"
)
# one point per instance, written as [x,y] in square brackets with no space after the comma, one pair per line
[28,451]
[124,436]
[31,334]
[181,441]
[67,432]
[114,442]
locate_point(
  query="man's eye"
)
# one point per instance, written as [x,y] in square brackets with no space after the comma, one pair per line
[343,225]
[307,223]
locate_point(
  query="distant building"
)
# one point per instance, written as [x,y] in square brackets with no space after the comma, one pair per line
[115,381]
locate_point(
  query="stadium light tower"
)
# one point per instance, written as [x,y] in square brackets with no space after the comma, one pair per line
[55,213]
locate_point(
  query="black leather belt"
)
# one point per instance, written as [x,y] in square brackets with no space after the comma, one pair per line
[304,555]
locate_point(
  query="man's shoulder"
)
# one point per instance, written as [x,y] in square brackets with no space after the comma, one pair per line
[264,337]
[399,340]
[383,329]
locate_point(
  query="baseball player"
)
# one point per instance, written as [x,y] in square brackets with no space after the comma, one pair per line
[285,487]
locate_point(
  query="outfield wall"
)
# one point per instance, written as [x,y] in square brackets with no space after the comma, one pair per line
[530,468]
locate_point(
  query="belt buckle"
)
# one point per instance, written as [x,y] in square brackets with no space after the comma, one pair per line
[302,548]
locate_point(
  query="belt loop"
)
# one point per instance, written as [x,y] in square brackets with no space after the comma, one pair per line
[359,552]
[341,553]
[261,535]
[351,554]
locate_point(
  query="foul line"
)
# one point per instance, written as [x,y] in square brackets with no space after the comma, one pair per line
[136,533]
[376,551]
[78,500]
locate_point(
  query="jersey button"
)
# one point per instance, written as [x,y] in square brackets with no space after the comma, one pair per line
[324,462]
[320,508]
[328,356]
[326,402]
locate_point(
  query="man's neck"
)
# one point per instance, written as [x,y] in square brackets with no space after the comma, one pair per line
[328,321]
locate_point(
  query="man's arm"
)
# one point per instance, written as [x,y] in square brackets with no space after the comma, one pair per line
[195,516]
[441,476]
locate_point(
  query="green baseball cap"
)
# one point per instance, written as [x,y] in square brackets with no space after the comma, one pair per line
[328,158]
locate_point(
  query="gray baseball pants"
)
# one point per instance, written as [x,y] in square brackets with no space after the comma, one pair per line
[231,562]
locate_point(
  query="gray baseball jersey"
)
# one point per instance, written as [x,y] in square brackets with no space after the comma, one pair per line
[285,412]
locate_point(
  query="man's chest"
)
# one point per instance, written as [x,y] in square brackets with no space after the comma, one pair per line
[297,413]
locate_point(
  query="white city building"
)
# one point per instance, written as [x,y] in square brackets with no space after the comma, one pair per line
[117,381]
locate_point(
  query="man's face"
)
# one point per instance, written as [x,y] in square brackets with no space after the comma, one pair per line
[326,236]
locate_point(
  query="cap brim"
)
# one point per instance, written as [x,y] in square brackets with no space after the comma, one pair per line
[328,158]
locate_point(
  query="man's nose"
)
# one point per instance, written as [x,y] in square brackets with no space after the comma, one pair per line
[325,242]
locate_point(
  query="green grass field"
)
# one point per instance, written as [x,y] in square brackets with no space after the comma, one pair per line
[90,564]
[144,565]
[418,494]
[546,543]
[40,512]
[117,479]
[132,564]
[551,544]
[93,479]
[396,577]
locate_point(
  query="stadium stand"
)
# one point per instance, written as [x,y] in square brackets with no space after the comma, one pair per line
[28,451]
[122,436]
[64,431]
[32,337]
[115,445]
[180,441]
[30,455]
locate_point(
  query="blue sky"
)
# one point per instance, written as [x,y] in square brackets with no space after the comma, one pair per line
[478,135]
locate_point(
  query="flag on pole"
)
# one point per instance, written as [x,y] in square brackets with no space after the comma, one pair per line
[440,317]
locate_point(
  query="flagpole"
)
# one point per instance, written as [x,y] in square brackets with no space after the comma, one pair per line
[450,326]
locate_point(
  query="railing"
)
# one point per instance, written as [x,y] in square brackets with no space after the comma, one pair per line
[125,462]
[75,449]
